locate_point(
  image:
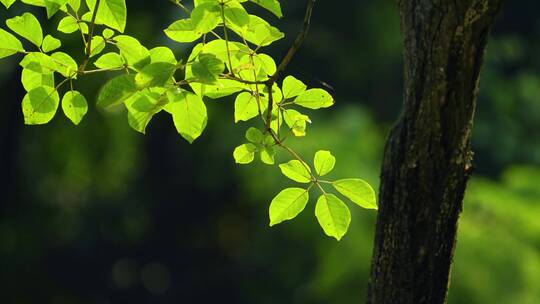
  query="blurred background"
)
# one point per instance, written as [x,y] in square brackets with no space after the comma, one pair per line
[101,214]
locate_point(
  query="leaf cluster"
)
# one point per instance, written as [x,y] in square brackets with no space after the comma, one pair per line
[227,59]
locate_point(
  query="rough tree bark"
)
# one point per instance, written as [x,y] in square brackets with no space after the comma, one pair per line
[428,156]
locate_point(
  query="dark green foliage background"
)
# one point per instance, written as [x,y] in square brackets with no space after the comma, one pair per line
[101,214]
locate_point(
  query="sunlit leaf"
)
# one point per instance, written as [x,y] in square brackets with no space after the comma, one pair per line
[333,215]
[50,44]
[39,105]
[65,65]
[296,171]
[134,53]
[207,68]
[74,106]
[189,115]
[324,162]
[109,61]
[206,16]
[292,87]
[9,44]
[287,205]
[183,31]
[271,5]
[112,13]
[314,99]
[244,154]
[142,107]
[7,3]
[28,27]
[154,75]
[116,90]
[358,191]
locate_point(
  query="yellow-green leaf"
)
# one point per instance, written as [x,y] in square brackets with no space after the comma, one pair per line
[315,99]
[9,44]
[28,27]
[287,205]
[296,171]
[74,106]
[39,105]
[358,191]
[324,162]
[112,13]
[244,154]
[333,215]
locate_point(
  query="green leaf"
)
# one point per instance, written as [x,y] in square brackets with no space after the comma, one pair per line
[34,2]
[262,64]
[32,79]
[358,191]
[70,25]
[28,27]
[98,45]
[53,6]
[142,107]
[183,31]
[292,87]
[9,44]
[245,107]
[258,31]
[207,68]
[112,13]
[333,215]
[244,154]
[50,44]
[314,99]
[7,3]
[296,171]
[235,14]
[116,90]
[162,54]
[324,162]
[254,135]
[75,4]
[287,205]
[189,115]
[74,106]
[154,75]
[65,65]
[223,87]
[206,16]
[109,61]
[38,62]
[271,5]
[296,121]
[107,33]
[134,53]
[267,155]
[39,105]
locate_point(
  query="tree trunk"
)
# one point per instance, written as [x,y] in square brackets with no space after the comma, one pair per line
[427,159]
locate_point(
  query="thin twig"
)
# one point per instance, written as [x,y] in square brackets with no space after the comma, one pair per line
[297,43]
[230,77]
[188,11]
[90,36]
[288,57]
[225,32]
